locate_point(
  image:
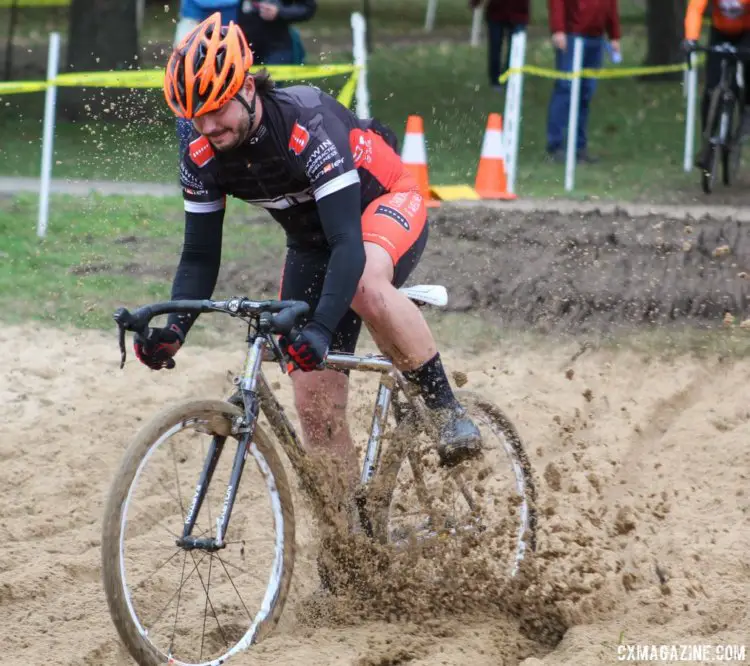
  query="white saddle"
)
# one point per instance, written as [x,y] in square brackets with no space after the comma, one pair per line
[427,294]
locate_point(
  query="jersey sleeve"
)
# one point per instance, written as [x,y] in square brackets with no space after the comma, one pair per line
[694,19]
[321,145]
[198,194]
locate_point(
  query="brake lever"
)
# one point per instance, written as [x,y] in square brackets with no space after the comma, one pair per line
[278,354]
[122,346]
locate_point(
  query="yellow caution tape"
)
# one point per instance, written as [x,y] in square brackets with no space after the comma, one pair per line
[346,95]
[155,78]
[611,73]
[15,87]
[35,3]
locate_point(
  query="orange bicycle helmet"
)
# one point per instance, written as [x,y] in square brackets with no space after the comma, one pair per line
[207,68]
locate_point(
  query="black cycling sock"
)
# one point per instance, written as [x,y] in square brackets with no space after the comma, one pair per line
[433,383]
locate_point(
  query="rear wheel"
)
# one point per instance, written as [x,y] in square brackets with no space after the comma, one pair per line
[490,500]
[174,604]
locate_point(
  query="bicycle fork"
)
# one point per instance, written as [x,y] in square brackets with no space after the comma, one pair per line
[247,384]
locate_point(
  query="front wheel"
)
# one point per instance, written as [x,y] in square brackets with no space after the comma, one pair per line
[196,604]
[490,500]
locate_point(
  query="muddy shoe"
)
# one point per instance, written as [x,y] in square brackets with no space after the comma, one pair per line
[459,437]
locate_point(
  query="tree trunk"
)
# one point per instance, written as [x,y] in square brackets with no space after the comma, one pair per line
[664,26]
[102,36]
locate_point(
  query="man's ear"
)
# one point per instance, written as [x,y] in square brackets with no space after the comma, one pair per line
[249,85]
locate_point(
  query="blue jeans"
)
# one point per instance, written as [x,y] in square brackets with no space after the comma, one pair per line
[559,104]
[496,33]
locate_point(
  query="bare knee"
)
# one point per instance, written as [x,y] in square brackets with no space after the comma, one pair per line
[320,399]
[374,289]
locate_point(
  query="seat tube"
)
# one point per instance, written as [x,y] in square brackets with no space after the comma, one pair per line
[379,420]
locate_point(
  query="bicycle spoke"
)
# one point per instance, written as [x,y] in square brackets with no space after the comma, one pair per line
[231,580]
[240,569]
[170,493]
[177,609]
[177,591]
[216,615]
[177,474]
[158,569]
[205,607]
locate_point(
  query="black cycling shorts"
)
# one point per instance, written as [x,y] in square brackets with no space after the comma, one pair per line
[304,272]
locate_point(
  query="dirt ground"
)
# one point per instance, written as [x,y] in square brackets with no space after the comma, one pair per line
[641,459]
[642,468]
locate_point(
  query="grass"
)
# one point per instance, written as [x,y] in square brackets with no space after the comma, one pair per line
[100,253]
[638,128]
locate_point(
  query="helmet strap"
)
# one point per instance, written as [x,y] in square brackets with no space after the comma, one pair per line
[249,107]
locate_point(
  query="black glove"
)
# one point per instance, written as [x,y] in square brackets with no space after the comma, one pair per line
[310,348]
[156,351]
[688,45]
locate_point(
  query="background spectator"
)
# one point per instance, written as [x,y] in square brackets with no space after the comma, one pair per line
[568,19]
[267,26]
[503,19]
[192,12]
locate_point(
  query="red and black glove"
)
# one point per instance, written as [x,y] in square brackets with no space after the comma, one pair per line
[310,348]
[156,351]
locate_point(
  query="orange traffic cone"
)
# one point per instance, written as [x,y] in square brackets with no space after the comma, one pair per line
[414,157]
[491,181]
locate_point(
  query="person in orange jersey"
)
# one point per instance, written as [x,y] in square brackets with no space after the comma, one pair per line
[730,22]
[355,222]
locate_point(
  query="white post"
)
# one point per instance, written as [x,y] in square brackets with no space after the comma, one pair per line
[359,49]
[429,17]
[513,102]
[692,93]
[48,137]
[575,103]
[140,7]
[476,27]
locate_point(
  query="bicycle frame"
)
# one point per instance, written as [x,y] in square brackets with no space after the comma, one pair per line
[255,395]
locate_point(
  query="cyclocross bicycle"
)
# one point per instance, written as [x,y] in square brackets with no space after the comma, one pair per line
[187,552]
[722,139]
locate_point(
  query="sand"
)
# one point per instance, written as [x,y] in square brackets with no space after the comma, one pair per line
[642,466]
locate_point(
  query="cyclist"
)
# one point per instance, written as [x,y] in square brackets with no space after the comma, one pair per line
[730,22]
[354,220]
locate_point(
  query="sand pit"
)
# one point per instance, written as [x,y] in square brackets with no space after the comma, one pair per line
[642,467]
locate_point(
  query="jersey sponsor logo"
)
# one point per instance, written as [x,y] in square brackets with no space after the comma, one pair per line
[201,152]
[299,139]
[259,135]
[361,145]
[387,211]
[191,184]
[324,152]
[330,166]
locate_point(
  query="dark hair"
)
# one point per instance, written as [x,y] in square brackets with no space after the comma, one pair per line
[264,84]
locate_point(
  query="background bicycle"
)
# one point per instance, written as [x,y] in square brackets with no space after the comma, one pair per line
[723,131]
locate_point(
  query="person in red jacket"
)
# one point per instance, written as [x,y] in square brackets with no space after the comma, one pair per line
[503,18]
[591,20]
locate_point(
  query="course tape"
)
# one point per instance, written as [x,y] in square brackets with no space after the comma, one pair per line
[155,78]
[35,3]
[619,73]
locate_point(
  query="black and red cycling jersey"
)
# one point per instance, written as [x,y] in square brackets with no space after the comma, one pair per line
[330,179]
[306,147]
